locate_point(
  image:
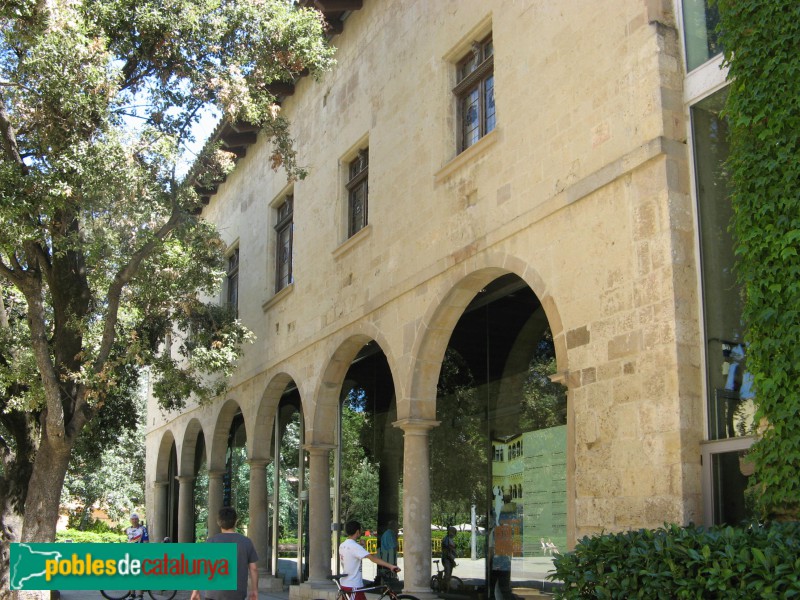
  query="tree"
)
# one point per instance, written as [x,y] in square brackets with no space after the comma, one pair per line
[101,251]
[359,492]
[108,474]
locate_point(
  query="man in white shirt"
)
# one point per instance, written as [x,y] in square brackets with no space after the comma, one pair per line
[351,553]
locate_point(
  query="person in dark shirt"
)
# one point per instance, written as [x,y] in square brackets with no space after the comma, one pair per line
[246,559]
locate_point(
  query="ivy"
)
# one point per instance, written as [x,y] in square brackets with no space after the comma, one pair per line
[761,41]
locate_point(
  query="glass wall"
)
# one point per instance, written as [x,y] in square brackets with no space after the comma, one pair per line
[700,19]
[498,458]
[730,398]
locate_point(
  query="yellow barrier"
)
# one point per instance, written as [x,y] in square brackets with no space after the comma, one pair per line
[372,546]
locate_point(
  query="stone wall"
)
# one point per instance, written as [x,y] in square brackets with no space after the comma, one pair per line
[582,190]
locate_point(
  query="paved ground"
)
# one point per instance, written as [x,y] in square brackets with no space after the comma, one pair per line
[95,595]
[532,570]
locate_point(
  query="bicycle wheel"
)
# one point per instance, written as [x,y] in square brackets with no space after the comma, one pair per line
[455,583]
[162,594]
[115,594]
[406,597]
[435,583]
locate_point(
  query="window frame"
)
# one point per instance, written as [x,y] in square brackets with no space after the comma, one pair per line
[232,281]
[284,226]
[701,82]
[358,181]
[468,83]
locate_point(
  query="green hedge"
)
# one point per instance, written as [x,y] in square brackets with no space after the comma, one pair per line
[80,537]
[685,562]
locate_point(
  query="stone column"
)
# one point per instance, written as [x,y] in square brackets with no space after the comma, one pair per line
[258,531]
[214,500]
[158,522]
[319,515]
[416,505]
[185,509]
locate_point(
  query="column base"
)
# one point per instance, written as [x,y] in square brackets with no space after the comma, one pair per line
[313,591]
[269,583]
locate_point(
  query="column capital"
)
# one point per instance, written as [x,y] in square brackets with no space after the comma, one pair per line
[316,448]
[184,479]
[257,463]
[216,474]
[416,426]
[160,484]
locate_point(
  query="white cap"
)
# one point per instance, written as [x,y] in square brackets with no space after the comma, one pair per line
[134,516]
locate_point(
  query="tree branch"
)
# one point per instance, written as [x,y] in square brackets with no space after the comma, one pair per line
[32,289]
[9,138]
[122,278]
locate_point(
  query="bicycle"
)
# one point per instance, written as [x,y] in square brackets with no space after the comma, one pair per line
[385,590]
[123,594]
[437,581]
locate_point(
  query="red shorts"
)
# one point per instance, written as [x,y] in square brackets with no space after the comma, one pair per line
[356,596]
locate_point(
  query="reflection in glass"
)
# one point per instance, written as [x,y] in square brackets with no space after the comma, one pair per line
[501,444]
[730,390]
[700,20]
[729,485]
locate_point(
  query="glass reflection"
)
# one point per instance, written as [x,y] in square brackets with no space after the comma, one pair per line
[500,451]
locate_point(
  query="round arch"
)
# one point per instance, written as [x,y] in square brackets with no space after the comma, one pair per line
[261,445]
[443,315]
[218,444]
[332,379]
[191,436]
[165,447]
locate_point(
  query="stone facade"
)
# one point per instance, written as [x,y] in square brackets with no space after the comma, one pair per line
[582,190]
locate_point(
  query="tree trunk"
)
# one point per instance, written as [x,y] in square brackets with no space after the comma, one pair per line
[44,489]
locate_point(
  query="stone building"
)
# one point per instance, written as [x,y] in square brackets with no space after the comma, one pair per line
[511,247]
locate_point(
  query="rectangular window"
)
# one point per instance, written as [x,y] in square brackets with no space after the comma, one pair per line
[232,283]
[283,250]
[475,93]
[358,193]
[700,20]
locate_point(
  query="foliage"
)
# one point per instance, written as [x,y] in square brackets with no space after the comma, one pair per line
[544,402]
[359,492]
[691,562]
[90,537]
[458,445]
[108,474]
[101,252]
[759,38]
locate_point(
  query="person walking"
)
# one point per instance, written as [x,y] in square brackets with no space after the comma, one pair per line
[246,559]
[351,553]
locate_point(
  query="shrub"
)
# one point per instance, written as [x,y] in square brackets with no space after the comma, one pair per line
[80,537]
[760,561]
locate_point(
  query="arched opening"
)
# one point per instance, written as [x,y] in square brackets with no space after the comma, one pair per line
[171,529]
[502,432]
[287,487]
[236,480]
[367,466]
[200,495]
